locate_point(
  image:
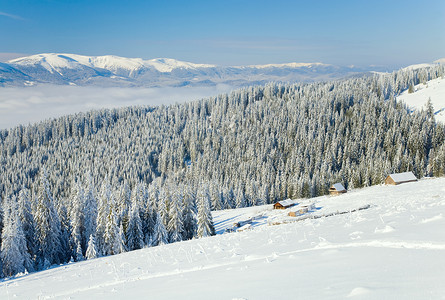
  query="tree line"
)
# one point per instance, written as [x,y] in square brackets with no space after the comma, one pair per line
[39,231]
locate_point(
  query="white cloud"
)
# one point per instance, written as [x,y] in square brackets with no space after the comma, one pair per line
[33,104]
[15,17]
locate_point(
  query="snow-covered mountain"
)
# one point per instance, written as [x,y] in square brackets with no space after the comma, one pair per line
[109,70]
[392,248]
[53,62]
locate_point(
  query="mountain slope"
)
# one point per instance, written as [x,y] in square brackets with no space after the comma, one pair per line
[112,70]
[12,77]
[434,90]
[391,250]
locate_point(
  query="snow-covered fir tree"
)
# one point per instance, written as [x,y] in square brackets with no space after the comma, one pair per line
[25,214]
[189,213]
[204,218]
[112,237]
[91,250]
[135,236]
[160,234]
[77,220]
[119,242]
[89,210]
[14,252]
[105,200]
[79,255]
[175,224]
[47,225]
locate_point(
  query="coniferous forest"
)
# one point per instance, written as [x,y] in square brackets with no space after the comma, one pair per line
[109,181]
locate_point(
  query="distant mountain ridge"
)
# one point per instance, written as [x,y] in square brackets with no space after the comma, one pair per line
[109,70]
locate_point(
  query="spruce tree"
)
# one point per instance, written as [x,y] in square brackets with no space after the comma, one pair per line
[160,234]
[147,215]
[90,211]
[205,220]
[240,198]
[77,220]
[175,223]
[79,255]
[164,198]
[189,214]
[14,253]
[27,220]
[47,225]
[112,237]
[135,238]
[123,205]
[105,204]
[91,250]
[119,242]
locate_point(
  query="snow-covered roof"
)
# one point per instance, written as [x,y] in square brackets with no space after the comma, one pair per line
[402,177]
[287,202]
[338,187]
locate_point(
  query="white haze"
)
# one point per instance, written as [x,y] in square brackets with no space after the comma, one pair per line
[33,104]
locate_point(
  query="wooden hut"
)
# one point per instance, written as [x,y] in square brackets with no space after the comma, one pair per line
[337,189]
[398,178]
[283,204]
[300,211]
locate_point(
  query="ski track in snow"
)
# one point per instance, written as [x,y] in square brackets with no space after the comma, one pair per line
[268,258]
[432,219]
[321,246]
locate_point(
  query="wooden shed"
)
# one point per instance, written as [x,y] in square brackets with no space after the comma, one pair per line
[398,178]
[283,204]
[298,212]
[337,189]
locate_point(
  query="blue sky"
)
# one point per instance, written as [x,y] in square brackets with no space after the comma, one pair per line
[388,33]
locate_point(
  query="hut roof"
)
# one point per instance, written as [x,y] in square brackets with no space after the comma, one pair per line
[402,177]
[287,202]
[338,187]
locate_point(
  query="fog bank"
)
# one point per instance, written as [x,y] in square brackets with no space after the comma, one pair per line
[33,104]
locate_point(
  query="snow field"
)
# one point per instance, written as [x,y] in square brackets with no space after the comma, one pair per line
[434,89]
[394,249]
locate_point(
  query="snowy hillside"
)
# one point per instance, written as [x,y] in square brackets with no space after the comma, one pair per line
[109,70]
[434,90]
[393,248]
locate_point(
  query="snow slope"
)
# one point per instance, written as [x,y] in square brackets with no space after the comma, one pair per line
[395,249]
[434,89]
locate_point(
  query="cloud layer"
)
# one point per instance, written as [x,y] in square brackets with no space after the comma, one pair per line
[33,104]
